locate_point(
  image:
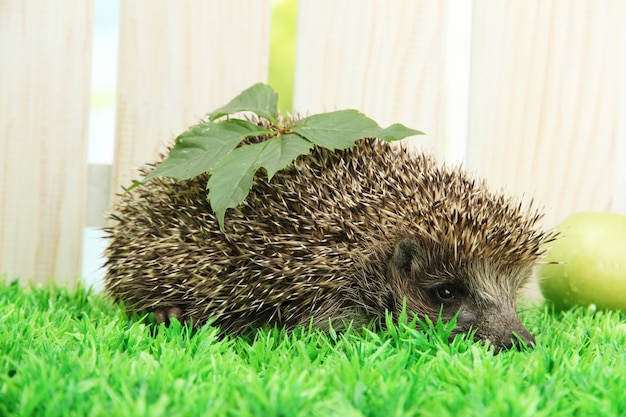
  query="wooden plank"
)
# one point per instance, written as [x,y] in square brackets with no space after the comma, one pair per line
[547,101]
[383,58]
[44,105]
[178,61]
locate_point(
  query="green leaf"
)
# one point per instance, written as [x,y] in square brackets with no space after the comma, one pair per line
[214,147]
[392,133]
[335,130]
[281,151]
[260,99]
[198,150]
[231,178]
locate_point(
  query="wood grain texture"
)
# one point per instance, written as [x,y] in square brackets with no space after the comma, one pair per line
[548,102]
[178,61]
[44,105]
[384,58]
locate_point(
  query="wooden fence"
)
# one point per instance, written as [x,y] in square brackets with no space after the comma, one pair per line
[547,97]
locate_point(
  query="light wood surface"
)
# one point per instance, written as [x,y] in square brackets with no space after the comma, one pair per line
[178,61]
[383,58]
[548,102]
[547,99]
[44,106]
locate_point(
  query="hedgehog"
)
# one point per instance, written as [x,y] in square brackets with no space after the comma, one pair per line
[338,238]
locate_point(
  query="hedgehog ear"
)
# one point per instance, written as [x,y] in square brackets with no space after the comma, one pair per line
[406,251]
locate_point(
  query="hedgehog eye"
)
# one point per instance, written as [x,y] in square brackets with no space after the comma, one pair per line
[445,293]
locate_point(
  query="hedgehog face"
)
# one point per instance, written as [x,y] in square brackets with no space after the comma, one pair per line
[483,295]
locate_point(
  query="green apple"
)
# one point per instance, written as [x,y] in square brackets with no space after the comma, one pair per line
[587,263]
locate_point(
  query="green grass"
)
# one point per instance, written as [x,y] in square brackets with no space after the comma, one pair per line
[72,353]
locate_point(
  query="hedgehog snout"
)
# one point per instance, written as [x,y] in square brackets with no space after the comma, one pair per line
[525,337]
[503,328]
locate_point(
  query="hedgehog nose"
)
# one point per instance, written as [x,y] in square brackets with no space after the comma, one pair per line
[506,331]
[517,339]
[521,337]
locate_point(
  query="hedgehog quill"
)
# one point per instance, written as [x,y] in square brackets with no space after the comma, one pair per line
[336,237]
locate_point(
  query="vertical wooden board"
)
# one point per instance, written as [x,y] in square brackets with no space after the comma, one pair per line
[44,105]
[178,61]
[547,100]
[383,58]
